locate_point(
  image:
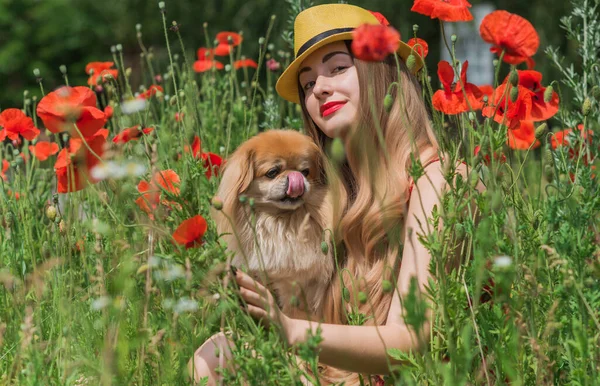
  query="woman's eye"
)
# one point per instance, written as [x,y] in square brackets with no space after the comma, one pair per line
[308,85]
[272,173]
[305,172]
[339,68]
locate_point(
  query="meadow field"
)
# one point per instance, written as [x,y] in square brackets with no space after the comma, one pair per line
[112,272]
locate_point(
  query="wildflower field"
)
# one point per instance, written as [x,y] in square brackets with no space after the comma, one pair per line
[111,270]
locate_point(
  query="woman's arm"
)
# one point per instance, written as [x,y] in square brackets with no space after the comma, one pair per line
[362,349]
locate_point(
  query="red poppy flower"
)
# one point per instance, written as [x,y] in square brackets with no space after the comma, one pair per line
[108,112]
[451,100]
[71,104]
[486,158]
[211,161]
[204,53]
[561,138]
[227,37]
[75,161]
[190,232]
[151,191]
[244,63]
[374,42]
[205,65]
[523,137]
[179,117]
[15,122]
[5,166]
[131,133]
[97,69]
[532,81]
[380,18]
[42,150]
[512,34]
[151,91]
[487,89]
[420,46]
[507,112]
[446,10]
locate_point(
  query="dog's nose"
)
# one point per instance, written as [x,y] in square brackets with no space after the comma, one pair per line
[295,184]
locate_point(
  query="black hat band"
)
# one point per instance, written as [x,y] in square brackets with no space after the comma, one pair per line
[320,37]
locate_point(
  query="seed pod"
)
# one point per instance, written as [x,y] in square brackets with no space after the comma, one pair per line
[337,150]
[346,294]
[362,297]
[388,101]
[586,107]
[514,78]
[548,93]
[51,212]
[549,173]
[386,286]
[324,247]
[514,94]
[217,203]
[541,130]
[411,61]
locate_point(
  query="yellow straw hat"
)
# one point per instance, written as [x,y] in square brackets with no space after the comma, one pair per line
[322,24]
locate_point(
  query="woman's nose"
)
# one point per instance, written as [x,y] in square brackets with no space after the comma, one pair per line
[322,86]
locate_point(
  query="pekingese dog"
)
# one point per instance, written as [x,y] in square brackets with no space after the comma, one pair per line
[282,172]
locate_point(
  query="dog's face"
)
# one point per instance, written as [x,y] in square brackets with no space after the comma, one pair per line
[279,169]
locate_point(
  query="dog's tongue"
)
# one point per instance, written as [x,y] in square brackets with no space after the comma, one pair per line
[295,184]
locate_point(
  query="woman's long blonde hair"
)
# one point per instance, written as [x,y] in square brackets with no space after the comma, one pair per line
[370,190]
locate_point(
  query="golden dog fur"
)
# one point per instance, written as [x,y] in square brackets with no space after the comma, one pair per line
[286,243]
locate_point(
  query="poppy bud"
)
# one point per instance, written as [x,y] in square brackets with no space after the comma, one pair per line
[514,94]
[388,101]
[337,150]
[411,62]
[453,38]
[485,99]
[362,297]
[324,247]
[548,93]
[217,203]
[541,130]
[346,294]
[63,69]
[161,5]
[261,41]
[415,28]
[138,27]
[36,72]
[113,49]
[596,92]
[243,199]
[251,202]
[386,286]
[514,78]
[549,173]
[548,157]
[495,62]
[51,212]
[586,107]
[119,47]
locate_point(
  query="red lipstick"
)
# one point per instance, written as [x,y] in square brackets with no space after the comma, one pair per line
[331,107]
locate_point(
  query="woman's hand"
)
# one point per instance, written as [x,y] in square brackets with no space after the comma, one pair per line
[261,304]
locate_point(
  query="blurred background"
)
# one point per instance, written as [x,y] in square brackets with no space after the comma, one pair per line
[45,34]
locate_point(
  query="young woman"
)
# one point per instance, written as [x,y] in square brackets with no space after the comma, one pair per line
[379,207]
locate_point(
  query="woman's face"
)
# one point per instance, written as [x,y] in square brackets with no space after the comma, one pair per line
[330,83]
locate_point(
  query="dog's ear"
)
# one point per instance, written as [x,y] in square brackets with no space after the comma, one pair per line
[237,174]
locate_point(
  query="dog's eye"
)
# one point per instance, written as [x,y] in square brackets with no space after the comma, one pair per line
[272,173]
[305,172]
